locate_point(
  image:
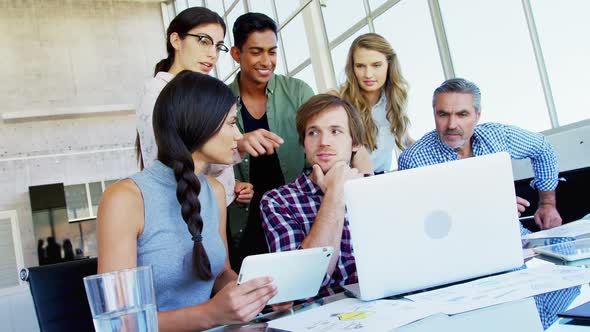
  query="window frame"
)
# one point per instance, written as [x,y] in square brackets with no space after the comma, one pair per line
[88,200]
[323,67]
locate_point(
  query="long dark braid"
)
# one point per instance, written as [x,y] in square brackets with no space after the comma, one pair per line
[189,111]
[187,192]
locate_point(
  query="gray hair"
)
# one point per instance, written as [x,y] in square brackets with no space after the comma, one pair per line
[460,85]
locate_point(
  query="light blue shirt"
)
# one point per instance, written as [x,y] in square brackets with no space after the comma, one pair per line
[386,151]
[166,243]
[490,138]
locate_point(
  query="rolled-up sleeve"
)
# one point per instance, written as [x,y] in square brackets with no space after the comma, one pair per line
[525,144]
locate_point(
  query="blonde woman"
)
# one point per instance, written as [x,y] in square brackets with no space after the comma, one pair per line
[375,86]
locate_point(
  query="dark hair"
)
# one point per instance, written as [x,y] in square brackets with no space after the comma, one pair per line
[318,104]
[251,22]
[181,24]
[189,111]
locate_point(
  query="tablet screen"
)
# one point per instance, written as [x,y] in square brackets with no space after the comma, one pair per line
[297,274]
[570,251]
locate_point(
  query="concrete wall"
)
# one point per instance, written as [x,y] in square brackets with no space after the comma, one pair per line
[76,53]
[70,54]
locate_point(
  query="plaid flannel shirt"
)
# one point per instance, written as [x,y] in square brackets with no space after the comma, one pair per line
[288,213]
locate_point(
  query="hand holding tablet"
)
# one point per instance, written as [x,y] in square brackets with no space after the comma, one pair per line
[297,274]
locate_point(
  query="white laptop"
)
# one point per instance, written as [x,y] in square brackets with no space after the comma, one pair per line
[434,225]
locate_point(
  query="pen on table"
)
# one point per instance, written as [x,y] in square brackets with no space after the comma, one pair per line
[525,218]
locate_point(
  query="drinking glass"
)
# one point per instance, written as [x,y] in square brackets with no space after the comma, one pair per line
[123,301]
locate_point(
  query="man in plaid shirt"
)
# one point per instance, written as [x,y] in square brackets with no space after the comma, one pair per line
[309,212]
[457,109]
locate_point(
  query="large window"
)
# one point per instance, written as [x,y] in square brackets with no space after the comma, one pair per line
[195,3]
[340,54]
[227,66]
[418,57]
[77,202]
[73,222]
[296,50]
[293,57]
[492,43]
[262,6]
[285,8]
[563,29]
[82,199]
[180,5]
[306,75]
[339,15]
[499,58]
[376,3]
[417,52]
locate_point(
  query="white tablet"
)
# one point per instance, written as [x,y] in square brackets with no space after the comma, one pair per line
[297,274]
[569,251]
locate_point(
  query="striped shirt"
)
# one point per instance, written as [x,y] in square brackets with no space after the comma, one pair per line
[490,138]
[288,213]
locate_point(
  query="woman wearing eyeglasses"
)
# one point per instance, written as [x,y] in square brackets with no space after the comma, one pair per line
[194,42]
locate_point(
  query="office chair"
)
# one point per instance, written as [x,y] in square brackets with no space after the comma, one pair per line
[59,295]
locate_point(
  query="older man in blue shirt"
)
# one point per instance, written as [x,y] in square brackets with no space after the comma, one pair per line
[457,109]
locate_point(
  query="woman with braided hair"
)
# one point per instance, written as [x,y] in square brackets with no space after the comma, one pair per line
[173,217]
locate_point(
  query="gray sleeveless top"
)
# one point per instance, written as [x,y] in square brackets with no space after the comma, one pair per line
[166,243]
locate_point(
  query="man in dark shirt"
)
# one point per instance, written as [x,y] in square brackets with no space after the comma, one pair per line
[267,104]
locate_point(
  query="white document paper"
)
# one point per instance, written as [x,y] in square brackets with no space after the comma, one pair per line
[502,288]
[572,229]
[528,253]
[354,314]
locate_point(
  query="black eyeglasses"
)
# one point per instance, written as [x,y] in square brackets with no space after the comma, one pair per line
[206,41]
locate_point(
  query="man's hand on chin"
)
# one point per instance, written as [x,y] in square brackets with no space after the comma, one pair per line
[335,177]
[317,176]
